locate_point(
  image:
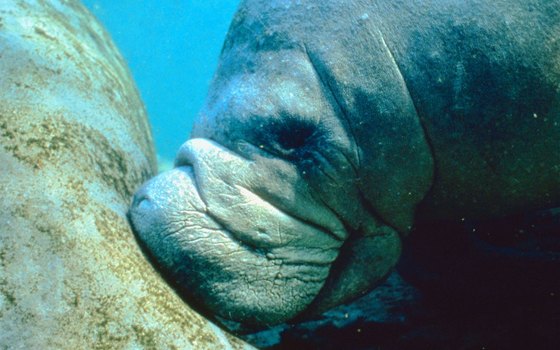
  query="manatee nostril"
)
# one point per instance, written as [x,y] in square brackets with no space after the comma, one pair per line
[141,202]
[183,157]
[144,204]
[181,160]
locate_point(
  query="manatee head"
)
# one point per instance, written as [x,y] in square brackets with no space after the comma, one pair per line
[263,217]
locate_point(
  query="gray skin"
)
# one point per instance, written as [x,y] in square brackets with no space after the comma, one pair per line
[330,129]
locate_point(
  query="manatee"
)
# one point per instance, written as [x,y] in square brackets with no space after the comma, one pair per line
[332,128]
[74,145]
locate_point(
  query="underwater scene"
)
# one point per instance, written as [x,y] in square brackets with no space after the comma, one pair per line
[172,51]
[281,174]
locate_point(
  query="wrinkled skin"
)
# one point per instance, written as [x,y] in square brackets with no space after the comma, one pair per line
[328,127]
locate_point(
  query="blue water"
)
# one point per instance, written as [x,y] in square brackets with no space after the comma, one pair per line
[172,49]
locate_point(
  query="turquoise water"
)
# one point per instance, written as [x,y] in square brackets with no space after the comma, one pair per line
[172,49]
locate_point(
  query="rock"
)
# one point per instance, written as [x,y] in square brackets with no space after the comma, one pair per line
[75,144]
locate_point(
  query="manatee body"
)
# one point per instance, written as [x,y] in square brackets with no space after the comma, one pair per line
[74,145]
[331,129]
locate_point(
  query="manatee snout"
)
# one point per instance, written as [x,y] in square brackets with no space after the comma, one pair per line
[223,246]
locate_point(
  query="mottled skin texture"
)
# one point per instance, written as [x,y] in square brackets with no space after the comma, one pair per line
[74,145]
[332,128]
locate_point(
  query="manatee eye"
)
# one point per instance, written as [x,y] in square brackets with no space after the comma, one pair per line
[286,137]
[294,137]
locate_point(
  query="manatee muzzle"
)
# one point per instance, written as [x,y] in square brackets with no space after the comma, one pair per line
[212,229]
[246,238]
